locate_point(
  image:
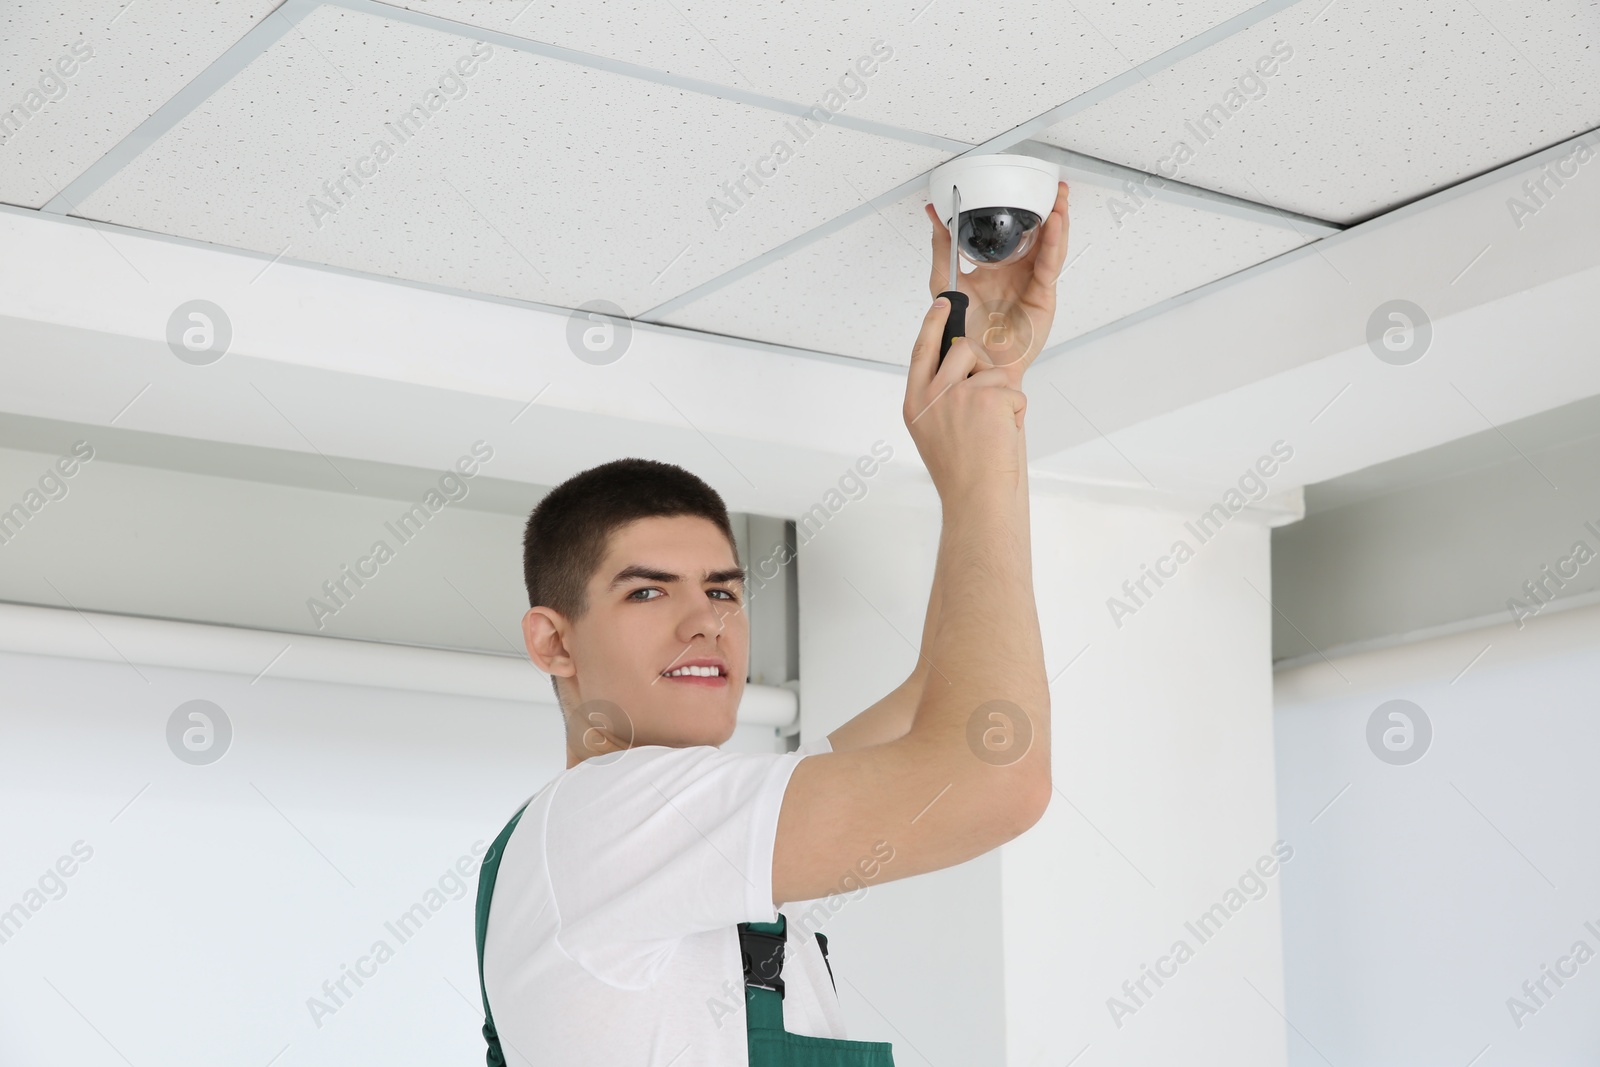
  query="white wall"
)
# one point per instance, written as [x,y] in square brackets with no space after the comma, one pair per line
[1427,893]
[219,898]
[216,899]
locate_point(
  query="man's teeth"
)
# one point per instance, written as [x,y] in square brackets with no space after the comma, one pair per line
[699,672]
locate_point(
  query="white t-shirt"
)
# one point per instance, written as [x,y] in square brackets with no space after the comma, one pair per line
[612,931]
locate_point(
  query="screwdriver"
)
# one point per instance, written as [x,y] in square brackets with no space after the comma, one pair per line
[956,324]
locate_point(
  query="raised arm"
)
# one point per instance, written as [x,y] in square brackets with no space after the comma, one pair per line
[973,770]
[1024,290]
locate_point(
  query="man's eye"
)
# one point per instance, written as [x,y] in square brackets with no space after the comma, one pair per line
[731,594]
[636,593]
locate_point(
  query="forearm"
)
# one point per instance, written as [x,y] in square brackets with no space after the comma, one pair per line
[891,717]
[983,642]
[930,624]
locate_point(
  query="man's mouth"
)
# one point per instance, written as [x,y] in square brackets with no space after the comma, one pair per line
[710,673]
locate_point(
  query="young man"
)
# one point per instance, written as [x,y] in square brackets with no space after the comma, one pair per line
[616,909]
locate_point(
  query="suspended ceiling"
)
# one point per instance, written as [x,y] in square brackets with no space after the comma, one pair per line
[578,158]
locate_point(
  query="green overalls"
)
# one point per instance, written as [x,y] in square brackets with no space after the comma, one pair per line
[761,945]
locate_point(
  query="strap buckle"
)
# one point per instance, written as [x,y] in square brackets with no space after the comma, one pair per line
[763,958]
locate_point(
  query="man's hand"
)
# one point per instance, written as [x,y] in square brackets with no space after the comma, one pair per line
[965,419]
[1014,306]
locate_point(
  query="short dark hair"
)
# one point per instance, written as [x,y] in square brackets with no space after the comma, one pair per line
[569,531]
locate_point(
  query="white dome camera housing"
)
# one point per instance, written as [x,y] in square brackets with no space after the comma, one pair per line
[1004,202]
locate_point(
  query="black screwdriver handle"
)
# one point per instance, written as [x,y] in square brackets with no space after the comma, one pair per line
[956,324]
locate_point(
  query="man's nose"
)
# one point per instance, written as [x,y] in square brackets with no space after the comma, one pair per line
[708,619]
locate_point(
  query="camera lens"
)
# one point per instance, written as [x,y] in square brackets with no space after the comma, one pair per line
[992,236]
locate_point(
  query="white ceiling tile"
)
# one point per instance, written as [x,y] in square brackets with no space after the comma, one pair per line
[859,292]
[955,72]
[1369,104]
[78,78]
[540,180]
[863,291]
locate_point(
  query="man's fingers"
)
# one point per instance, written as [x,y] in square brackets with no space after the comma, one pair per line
[996,378]
[990,378]
[1052,251]
[925,353]
[1017,398]
[958,363]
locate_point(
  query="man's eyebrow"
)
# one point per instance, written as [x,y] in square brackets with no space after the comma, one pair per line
[637,570]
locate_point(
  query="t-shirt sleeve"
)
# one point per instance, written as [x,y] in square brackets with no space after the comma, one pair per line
[812,748]
[659,844]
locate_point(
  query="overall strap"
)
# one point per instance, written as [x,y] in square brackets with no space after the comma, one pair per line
[761,947]
[487,872]
[767,1043]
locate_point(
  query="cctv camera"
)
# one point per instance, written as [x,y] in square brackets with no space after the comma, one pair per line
[1003,200]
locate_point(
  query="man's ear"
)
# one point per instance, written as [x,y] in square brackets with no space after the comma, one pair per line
[543,632]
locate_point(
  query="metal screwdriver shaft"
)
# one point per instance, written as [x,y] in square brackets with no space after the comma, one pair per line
[956,324]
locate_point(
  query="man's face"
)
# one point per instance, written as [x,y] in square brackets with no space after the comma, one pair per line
[666,595]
